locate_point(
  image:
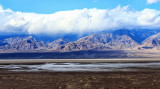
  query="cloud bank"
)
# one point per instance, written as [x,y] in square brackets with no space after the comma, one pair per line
[152,1]
[78,21]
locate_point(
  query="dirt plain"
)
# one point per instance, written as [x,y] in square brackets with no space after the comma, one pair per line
[80,80]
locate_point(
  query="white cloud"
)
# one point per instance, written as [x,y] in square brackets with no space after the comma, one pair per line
[1,8]
[152,1]
[78,21]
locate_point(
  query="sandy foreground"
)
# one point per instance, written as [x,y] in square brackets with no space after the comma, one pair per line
[36,61]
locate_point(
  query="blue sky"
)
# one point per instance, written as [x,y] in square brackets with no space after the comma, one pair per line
[54,17]
[51,6]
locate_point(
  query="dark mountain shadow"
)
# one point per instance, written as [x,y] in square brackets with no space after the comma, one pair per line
[90,54]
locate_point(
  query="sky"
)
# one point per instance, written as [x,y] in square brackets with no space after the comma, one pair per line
[51,6]
[54,17]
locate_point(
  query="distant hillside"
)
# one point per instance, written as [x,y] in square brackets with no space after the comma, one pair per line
[101,41]
[122,40]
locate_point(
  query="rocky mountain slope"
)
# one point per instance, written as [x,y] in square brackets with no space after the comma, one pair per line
[104,41]
[57,43]
[139,35]
[22,44]
[153,42]
[101,41]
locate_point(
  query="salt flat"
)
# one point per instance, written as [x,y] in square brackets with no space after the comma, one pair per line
[83,67]
[36,61]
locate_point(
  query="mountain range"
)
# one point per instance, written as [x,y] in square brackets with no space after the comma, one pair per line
[128,41]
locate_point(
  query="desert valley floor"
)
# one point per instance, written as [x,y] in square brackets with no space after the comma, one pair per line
[115,74]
